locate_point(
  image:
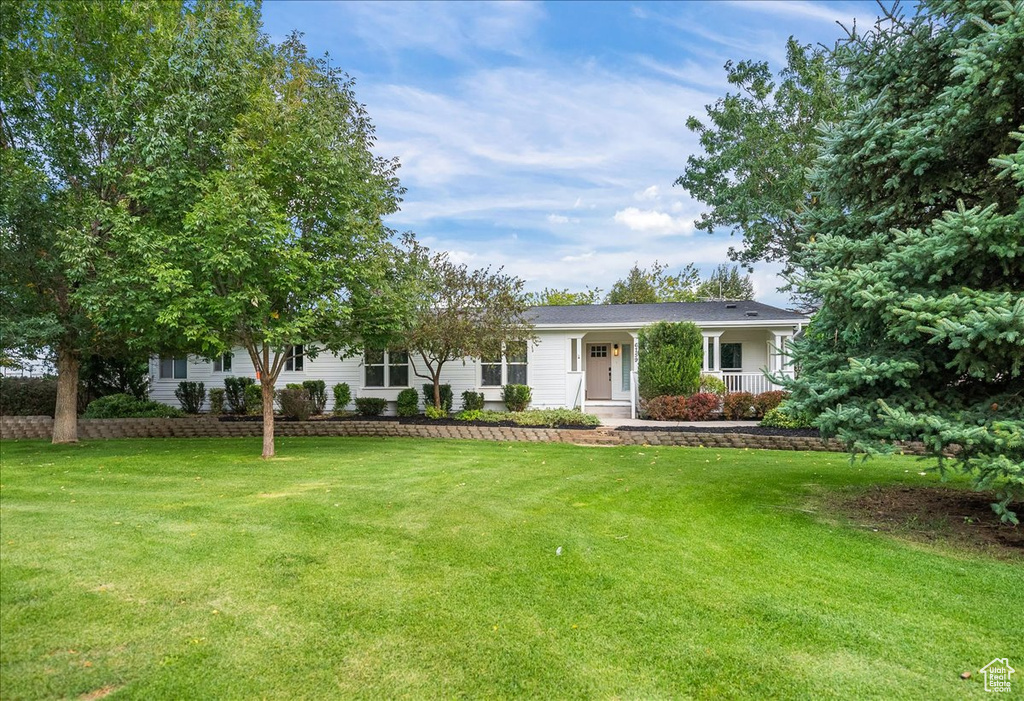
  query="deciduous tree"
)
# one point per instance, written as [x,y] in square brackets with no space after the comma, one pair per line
[726,282]
[648,286]
[563,298]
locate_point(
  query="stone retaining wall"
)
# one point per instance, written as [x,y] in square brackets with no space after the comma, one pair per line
[29,427]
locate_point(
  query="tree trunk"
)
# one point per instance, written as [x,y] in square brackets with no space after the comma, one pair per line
[437,390]
[65,417]
[268,417]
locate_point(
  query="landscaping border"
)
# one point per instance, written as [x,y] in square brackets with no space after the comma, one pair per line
[40,427]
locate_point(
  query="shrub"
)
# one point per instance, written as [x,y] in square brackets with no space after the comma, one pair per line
[532,417]
[317,390]
[446,396]
[516,397]
[234,393]
[125,406]
[254,399]
[191,396]
[342,397]
[28,396]
[216,401]
[295,402]
[371,406]
[779,417]
[432,412]
[472,401]
[408,402]
[766,401]
[670,360]
[738,405]
[665,408]
[709,384]
[469,415]
[701,406]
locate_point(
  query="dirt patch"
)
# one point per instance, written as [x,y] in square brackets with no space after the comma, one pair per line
[100,693]
[934,515]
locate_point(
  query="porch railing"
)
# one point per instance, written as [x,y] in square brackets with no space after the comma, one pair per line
[753,382]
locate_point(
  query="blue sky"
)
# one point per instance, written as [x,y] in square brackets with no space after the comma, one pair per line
[545,137]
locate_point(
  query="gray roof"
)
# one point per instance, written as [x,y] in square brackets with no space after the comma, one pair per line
[641,314]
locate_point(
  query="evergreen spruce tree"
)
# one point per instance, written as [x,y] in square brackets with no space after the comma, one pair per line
[917,247]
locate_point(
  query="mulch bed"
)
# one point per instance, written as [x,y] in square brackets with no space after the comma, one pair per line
[409,420]
[931,514]
[712,428]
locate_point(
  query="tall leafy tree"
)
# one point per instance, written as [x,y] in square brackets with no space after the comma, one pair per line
[276,238]
[462,313]
[915,249]
[647,286]
[550,297]
[726,282]
[68,77]
[758,146]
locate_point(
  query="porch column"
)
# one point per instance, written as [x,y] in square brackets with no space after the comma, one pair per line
[714,362]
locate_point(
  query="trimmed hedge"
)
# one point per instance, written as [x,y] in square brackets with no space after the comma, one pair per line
[295,402]
[697,407]
[552,418]
[766,401]
[342,397]
[408,402]
[191,396]
[738,406]
[234,393]
[28,396]
[671,359]
[516,397]
[125,406]
[371,406]
[472,401]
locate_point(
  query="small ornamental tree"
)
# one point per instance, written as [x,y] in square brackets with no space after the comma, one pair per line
[462,313]
[669,358]
[916,247]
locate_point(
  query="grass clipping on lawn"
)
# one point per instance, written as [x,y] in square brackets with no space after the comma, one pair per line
[381,568]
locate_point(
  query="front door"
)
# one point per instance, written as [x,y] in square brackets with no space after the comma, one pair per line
[599,371]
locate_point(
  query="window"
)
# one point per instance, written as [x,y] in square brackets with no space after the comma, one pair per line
[574,355]
[294,358]
[515,358]
[173,368]
[222,363]
[385,368]
[510,369]
[732,356]
[627,365]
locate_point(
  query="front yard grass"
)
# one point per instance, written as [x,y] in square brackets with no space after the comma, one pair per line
[375,568]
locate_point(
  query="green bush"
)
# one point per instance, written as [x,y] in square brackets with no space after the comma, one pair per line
[125,406]
[191,396]
[216,401]
[317,390]
[254,399]
[446,396]
[432,412]
[709,384]
[472,401]
[234,393]
[295,402]
[532,417]
[28,396]
[738,405]
[516,397]
[779,417]
[342,397]
[670,359]
[371,406]
[408,402]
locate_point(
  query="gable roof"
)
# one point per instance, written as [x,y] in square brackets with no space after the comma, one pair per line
[707,313]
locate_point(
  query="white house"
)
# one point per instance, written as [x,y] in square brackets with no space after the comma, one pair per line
[584,356]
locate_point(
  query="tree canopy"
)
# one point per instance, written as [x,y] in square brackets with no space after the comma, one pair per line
[647,286]
[758,146]
[550,297]
[915,248]
[726,282]
[462,313]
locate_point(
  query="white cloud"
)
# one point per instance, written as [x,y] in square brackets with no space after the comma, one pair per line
[796,8]
[647,195]
[650,220]
[561,219]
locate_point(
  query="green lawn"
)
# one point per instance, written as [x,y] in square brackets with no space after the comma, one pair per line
[379,568]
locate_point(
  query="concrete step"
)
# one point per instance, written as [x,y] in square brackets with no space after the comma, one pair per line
[609,411]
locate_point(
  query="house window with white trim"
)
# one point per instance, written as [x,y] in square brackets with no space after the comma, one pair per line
[731,357]
[173,368]
[508,368]
[385,368]
[295,355]
[222,363]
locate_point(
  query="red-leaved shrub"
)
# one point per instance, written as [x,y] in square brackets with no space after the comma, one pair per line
[738,405]
[700,406]
[766,401]
[696,407]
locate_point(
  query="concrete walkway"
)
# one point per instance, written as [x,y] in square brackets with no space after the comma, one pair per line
[668,424]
